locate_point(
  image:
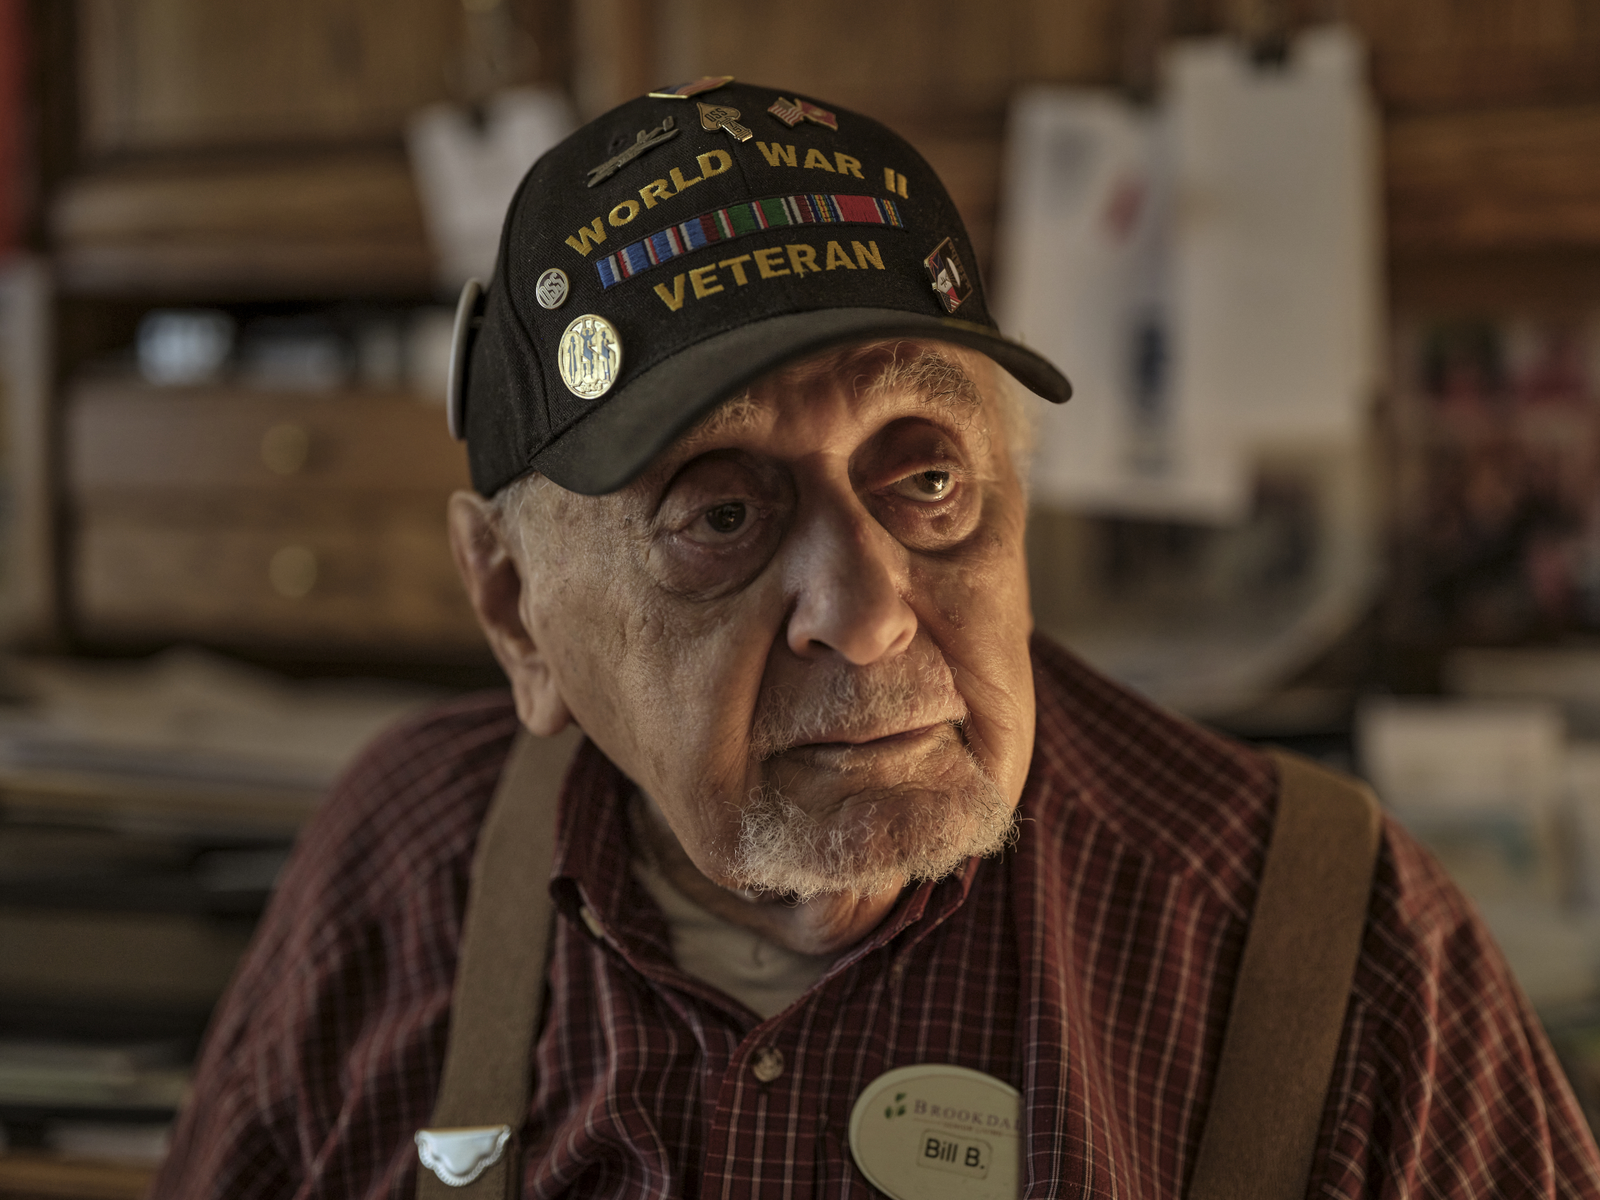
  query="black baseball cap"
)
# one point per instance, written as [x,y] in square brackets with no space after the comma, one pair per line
[672,251]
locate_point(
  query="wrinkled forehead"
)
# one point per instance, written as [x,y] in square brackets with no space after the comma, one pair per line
[947,379]
[961,387]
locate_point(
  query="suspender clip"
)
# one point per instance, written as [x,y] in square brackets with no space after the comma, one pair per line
[458,1156]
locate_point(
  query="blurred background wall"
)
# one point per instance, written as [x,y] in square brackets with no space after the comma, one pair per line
[230,239]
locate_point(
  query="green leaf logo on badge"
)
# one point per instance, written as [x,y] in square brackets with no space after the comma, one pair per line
[939,1132]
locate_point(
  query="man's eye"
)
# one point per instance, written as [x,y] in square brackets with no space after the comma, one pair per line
[926,485]
[727,518]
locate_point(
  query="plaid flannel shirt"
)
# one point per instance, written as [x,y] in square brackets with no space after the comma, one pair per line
[1090,967]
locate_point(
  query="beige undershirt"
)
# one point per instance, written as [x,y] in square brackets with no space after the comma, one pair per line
[764,976]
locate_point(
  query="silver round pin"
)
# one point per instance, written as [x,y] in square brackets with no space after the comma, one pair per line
[552,288]
[590,356]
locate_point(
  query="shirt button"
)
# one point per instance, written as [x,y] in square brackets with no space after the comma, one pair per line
[767,1064]
[593,923]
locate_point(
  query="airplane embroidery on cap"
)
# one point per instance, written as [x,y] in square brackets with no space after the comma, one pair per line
[645,139]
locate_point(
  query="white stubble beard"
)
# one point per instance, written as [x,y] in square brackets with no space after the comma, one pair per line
[858,851]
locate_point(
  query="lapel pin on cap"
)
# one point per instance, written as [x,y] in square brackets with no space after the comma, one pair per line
[645,139]
[552,288]
[787,111]
[720,116]
[950,279]
[683,91]
[792,112]
[590,356]
[818,116]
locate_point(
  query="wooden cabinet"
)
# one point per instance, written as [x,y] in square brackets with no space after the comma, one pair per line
[126,436]
[259,519]
[227,153]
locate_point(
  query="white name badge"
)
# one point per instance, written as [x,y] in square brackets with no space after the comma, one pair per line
[939,1132]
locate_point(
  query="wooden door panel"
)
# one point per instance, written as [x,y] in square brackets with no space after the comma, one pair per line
[123,435]
[389,588]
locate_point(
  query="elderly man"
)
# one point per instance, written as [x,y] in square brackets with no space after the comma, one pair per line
[748,454]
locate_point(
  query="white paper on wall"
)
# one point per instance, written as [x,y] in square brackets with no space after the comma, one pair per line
[1205,272]
[467,173]
[1275,240]
[1084,275]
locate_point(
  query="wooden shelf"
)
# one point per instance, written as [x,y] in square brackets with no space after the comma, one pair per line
[100,799]
[331,225]
[1554,281]
[1495,180]
[254,270]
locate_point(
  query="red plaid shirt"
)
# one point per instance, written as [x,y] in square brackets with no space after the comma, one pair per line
[1090,967]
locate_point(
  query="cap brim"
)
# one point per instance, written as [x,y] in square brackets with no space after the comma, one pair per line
[610,447]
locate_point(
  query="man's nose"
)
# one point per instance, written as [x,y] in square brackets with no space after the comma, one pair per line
[850,578]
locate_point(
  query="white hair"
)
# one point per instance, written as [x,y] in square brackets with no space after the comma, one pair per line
[1019,415]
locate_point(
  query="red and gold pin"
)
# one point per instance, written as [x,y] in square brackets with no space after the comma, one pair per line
[792,112]
[694,87]
[818,116]
[950,278]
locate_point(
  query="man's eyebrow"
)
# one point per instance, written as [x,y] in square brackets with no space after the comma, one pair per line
[741,408]
[928,373]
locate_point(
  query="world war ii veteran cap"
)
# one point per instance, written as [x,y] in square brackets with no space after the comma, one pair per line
[675,249]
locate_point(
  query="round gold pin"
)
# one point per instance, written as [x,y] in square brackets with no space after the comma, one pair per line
[590,356]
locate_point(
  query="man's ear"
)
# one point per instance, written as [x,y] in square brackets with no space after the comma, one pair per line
[495,583]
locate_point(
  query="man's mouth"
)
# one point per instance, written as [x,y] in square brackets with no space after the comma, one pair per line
[871,740]
[845,747]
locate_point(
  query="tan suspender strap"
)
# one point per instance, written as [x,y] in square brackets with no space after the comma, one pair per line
[1292,990]
[469,1151]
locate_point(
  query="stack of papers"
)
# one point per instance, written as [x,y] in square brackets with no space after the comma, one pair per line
[187,736]
[54,1074]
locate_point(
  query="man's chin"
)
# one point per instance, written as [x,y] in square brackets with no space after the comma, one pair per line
[864,840]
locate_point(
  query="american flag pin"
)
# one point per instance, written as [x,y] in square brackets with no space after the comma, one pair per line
[787,111]
[682,91]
